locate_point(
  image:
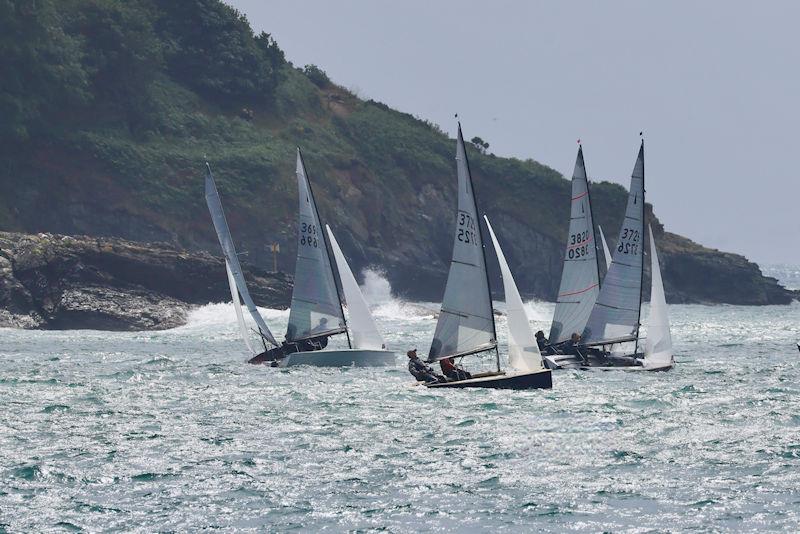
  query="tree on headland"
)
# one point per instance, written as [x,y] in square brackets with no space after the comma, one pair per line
[480,144]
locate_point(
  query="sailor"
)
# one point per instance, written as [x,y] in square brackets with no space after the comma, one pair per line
[452,371]
[543,342]
[571,346]
[421,372]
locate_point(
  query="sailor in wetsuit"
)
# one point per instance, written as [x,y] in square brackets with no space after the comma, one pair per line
[422,372]
[290,347]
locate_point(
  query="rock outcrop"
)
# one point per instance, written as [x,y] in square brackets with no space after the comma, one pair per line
[63,282]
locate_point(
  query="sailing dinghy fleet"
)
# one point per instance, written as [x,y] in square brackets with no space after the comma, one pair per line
[596,323]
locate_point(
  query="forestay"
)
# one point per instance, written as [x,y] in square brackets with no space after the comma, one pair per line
[315,309]
[658,347]
[466,323]
[580,279]
[615,316]
[523,351]
[231,259]
[363,330]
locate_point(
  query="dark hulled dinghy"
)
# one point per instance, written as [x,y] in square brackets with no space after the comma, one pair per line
[466,323]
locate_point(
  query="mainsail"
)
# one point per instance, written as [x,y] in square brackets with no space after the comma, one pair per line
[231,259]
[523,350]
[315,309]
[362,325]
[580,279]
[658,347]
[606,252]
[466,321]
[615,316]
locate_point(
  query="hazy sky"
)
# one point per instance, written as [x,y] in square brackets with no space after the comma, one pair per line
[714,86]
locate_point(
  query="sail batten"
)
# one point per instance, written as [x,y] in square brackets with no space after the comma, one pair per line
[232,265]
[466,323]
[315,309]
[580,278]
[617,311]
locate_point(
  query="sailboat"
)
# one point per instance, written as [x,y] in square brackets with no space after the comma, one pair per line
[615,317]
[580,276]
[316,308]
[233,269]
[466,323]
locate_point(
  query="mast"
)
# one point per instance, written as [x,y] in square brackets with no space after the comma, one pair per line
[325,244]
[644,215]
[483,247]
[594,230]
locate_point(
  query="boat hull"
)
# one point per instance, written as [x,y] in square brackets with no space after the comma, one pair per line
[534,380]
[340,358]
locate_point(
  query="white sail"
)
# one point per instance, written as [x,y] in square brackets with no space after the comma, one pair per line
[315,309]
[466,320]
[237,305]
[363,330]
[523,351]
[606,252]
[231,259]
[580,278]
[615,316]
[658,347]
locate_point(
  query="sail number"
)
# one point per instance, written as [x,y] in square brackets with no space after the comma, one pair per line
[308,235]
[629,242]
[466,228]
[578,245]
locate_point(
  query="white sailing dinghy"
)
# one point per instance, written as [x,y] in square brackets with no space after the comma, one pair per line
[316,310]
[466,323]
[580,275]
[615,317]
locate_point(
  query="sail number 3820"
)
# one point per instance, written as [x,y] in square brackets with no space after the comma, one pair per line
[466,229]
[308,235]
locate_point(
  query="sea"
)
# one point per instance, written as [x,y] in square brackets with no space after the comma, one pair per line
[172,431]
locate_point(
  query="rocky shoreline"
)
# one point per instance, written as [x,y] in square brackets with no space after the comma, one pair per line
[50,281]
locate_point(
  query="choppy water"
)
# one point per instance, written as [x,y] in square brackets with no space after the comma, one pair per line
[171,431]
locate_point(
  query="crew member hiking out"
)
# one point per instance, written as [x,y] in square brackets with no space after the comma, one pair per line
[422,372]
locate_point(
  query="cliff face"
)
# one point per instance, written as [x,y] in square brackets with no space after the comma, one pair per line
[384,180]
[62,282]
